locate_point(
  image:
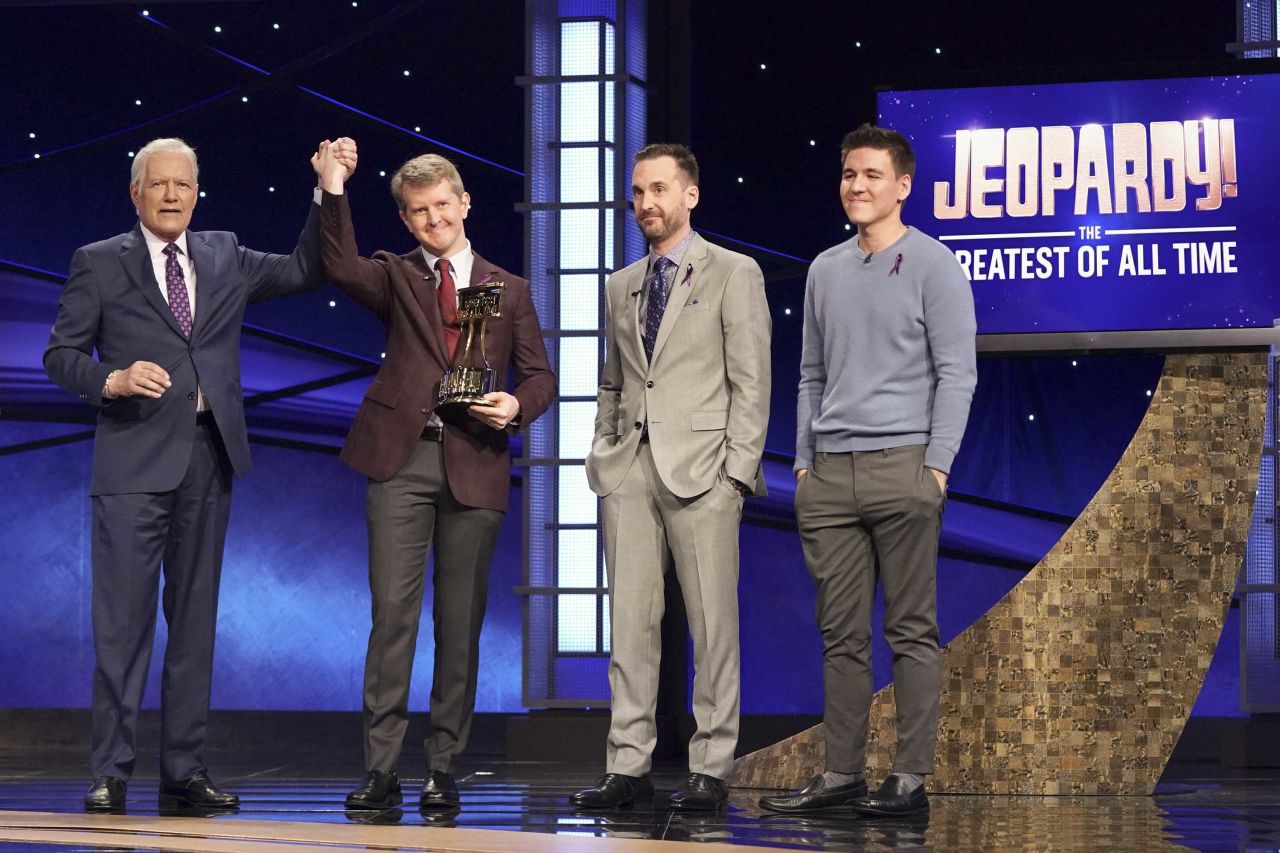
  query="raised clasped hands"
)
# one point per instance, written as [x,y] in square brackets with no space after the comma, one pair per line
[504,408]
[334,162]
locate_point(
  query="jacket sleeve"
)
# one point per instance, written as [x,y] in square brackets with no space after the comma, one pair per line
[363,280]
[747,332]
[535,384]
[271,276]
[69,359]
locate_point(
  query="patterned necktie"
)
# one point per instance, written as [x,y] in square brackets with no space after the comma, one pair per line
[655,304]
[176,286]
[447,296]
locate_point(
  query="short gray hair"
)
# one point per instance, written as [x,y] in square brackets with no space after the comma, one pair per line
[426,170]
[170,145]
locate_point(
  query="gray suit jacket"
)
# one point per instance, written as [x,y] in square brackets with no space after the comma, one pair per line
[705,394]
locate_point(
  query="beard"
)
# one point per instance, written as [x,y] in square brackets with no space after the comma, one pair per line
[659,230]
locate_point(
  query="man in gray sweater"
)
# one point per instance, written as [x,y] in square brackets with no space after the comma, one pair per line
[887,372]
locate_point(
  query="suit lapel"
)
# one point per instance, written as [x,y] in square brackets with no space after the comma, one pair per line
[681,287]
[629,283]
[423,284]
[137,268]
[204,262]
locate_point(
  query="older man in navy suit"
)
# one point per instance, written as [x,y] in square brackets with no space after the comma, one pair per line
[162,307]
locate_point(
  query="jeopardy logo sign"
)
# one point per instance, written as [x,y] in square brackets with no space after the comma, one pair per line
[1126,205]
[1152,168]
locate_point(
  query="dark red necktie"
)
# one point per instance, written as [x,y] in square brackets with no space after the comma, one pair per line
[447,295]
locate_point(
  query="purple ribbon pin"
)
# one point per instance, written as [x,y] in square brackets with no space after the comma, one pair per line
[897,265]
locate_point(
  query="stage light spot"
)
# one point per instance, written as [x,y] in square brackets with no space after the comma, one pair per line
[937,50]
[382,173]
[739,180]
[31,136]
[417,129]
[857,44]
[812,142]
[201,193]
[1031,417]
[275,26]
[244,99]
[1148,393]
[37,156]
[384,355]
[847,226]
[406,72]
[271,189]
[130,155]
[762,66]
[333,304]
[145,13]
[137,103]
[1073,363]
[217,29]
[786,311]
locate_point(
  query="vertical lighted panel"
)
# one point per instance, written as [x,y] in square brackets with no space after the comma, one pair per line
[585,112]
[1259,587]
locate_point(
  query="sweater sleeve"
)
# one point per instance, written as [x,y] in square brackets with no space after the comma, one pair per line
[813,379]
[951,329]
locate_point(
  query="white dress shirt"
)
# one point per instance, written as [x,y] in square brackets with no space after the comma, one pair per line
[155,248]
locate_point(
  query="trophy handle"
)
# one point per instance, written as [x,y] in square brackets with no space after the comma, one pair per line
[484,325]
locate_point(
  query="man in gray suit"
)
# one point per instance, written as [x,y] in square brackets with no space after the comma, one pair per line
[683,407]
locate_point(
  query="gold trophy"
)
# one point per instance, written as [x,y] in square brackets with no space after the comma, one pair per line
[469,376]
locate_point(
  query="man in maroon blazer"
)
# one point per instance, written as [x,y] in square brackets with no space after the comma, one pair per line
[430,481]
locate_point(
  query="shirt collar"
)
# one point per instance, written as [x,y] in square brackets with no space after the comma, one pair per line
[461,258]
[676,253]
[155,245]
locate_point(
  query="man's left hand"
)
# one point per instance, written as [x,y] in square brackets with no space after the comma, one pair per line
[941,478]
[504,408]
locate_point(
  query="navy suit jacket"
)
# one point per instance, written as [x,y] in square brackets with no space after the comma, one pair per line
[112,303]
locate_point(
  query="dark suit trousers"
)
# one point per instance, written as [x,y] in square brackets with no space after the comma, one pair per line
[857,512]
[134,535]
[406,515]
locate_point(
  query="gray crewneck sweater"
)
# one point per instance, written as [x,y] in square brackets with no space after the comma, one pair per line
[888,357]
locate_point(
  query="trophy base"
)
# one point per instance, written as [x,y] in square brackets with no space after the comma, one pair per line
[463,387]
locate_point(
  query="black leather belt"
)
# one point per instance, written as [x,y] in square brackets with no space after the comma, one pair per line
[205,418]
[430,432]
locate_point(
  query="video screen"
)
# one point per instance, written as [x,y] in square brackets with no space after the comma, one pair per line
[1116,206]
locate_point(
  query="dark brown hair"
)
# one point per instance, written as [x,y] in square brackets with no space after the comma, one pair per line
[882,139]
[683,156]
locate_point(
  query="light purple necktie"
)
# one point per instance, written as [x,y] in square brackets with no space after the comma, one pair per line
[176,286]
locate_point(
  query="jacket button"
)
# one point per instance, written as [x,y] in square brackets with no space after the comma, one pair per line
[649,384]
[191,395]
[638,425]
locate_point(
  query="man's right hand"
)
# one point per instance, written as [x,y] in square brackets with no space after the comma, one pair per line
[801,473]
[334,162]
[140,379]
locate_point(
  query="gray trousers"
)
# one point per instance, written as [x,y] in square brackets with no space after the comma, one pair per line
[406,515]
[642,521]
[856,510]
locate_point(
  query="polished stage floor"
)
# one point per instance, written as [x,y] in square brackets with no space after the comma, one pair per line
[522,807]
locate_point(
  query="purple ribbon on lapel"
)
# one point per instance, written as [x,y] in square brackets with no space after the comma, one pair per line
[897,265]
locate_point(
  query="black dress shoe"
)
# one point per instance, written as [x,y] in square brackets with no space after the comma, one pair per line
[198,792]
[894,798]
[105,795]
[614,790]
[380,790]
[700,793]
[815,796]
[439,791]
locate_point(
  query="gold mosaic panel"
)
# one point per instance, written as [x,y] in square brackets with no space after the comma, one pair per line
[1080,680]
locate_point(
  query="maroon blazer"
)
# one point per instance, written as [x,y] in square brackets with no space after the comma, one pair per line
[400,289]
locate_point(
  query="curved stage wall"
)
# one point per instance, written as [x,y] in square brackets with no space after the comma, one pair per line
[1081,679]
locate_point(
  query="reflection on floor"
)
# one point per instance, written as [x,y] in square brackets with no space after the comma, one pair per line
[1198,807]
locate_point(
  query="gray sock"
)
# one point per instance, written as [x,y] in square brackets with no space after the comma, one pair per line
[834,778]
[911,779]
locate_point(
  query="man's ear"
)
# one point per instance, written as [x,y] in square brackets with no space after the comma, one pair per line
[691,193]
[904,188]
